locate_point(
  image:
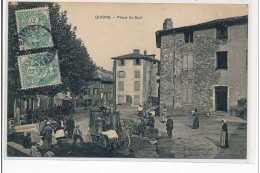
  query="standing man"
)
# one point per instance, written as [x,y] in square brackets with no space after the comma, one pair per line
[47,133]
[70,126]
[140,111]
[169,127]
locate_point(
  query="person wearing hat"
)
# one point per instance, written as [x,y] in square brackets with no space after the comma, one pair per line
[169,126]
[47,134]
[70,125]
[77,134]
[140,111]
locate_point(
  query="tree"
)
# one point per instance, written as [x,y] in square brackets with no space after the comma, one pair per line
[76,66]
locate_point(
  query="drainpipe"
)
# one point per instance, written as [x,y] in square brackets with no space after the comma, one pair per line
[114,87]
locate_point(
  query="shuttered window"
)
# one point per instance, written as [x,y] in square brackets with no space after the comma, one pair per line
[137,74]
[121,74]
[121,85]
[137,86]
[187,95]
[187,62]
[120,99]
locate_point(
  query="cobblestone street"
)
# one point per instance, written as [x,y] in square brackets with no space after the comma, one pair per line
[202,143]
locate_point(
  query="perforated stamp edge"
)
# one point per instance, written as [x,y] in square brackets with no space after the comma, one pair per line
[17,28]
[20,72]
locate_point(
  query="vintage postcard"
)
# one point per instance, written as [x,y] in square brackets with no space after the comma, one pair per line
[127,80]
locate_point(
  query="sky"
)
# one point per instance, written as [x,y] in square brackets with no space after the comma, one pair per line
[106,38]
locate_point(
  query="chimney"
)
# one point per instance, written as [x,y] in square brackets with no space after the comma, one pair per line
[136,51]
[145,52]
[167,24]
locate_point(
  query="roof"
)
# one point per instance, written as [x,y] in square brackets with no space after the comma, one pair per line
[136,56]
[104,70]
[103,79]
[200,26]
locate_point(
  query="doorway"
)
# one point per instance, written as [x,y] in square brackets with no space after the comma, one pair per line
[128,100]
[221,95]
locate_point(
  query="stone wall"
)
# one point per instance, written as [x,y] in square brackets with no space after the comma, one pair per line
[204,76]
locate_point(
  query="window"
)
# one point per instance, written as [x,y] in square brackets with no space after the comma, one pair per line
[221,62]
[121,85]
[95,91]
[136,99]
[187,94]
[121,62]
[137,74]
[187,62]
[120,99]
[121,74]
[137,62]
[137,86]
[188,37]
[222,33]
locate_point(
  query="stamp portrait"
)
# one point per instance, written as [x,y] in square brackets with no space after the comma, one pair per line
[34,28]
[39,69]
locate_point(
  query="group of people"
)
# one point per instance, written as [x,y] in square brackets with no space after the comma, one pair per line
[145,121]
[62,130]
[224,143]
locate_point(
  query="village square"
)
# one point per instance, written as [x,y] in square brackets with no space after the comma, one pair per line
[187,102]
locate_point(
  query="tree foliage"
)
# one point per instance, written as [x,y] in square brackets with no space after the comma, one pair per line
[76,66]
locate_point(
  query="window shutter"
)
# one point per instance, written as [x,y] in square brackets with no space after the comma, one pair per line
[185,62]
[190,62]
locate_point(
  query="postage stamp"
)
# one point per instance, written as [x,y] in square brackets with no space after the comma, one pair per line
[34,28]
[39,69]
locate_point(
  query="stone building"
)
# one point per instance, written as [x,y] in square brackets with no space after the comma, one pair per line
[100,90]
[203,66]
[136,78]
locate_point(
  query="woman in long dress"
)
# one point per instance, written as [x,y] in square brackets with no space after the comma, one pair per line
[224,135]
[195,115]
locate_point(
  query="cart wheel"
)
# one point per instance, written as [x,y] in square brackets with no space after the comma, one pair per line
[127,126]
[126,139]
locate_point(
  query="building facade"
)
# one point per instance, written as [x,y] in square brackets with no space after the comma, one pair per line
[203,66]
[136,78]
[100,90]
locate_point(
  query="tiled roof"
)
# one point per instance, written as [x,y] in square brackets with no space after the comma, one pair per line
[136,56]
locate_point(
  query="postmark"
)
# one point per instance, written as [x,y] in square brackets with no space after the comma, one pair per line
[39,69]
[34,28]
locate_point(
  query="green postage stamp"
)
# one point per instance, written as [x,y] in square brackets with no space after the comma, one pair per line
[34,28]
[39,69]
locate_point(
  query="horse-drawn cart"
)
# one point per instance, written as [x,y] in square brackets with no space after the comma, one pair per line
[101,121]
